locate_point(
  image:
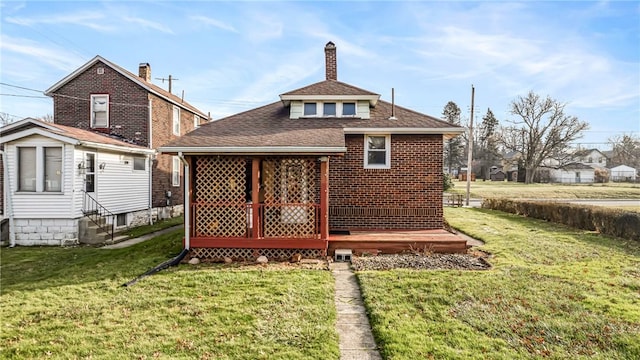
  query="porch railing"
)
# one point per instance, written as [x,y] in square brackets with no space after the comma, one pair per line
[274,221]
[98,214]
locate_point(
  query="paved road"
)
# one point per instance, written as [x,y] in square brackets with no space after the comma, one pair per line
[597,202]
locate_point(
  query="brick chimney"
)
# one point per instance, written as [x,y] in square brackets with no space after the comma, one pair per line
[144,71]
[331,61]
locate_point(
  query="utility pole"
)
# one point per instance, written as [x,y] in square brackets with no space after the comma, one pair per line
[470,153]
[170,80]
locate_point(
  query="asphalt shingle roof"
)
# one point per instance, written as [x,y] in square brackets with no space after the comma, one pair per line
[330,87]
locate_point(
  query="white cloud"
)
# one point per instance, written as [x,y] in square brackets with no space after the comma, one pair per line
[213,22]
[55,57]
[147,24]
[89,19]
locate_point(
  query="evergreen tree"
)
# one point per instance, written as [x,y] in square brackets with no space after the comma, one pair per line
[453,147]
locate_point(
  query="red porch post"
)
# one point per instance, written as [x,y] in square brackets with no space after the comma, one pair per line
[324,198]
[255,197]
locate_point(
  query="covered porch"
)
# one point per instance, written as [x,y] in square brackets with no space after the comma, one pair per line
[246,206]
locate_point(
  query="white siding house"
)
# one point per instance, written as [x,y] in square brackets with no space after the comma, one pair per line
[575,173]
[623,173]
[51,168]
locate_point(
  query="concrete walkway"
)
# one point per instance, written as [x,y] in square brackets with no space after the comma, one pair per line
[142,238]
[354,330]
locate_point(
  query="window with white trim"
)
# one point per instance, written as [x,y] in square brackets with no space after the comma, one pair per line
[329,109]
[176,120]
[40,169]
[348,109]
[377,151]
[196,121]
[139,163]
[26,169]
[175,171]
[100,111]
[310,109]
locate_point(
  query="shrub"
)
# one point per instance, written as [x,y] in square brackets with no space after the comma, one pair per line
[594,218]
[447,183]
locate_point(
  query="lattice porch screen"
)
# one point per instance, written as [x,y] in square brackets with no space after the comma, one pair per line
[290,208]
[220,197]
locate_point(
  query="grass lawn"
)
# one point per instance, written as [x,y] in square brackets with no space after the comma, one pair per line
[63,303]
[484,189]
[554,292]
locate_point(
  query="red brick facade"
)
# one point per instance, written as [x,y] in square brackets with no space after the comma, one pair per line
[406,196]
[128,119]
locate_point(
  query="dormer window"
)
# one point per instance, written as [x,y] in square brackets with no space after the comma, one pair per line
[329,109]
[348,109]
[310,109]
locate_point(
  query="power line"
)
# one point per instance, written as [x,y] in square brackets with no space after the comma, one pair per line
[24,96]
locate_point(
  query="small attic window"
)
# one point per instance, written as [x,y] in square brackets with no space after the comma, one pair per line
[329,109]
[100,71]
[348,109]
[310,109]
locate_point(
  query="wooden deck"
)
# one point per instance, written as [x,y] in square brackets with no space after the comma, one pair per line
[393,242]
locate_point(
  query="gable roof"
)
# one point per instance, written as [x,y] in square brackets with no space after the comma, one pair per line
[269,129]
[154,89]
[71,135]
[330,90]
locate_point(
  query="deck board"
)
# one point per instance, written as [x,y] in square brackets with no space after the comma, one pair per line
[393,242]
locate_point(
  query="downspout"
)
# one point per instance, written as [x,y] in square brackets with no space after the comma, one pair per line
[187,203]
[150,157]
[8,199]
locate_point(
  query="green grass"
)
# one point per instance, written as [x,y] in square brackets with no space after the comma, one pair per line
[554,292]
[158,225]
[63,303]
[485,189]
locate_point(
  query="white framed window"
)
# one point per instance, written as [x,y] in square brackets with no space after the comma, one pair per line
[310,109]
[40,169]
[100,111]
[175,171]
[139,163]
[26,169]
[196,121]
[348,109]
[377,151]
[53,169]
[176,120]
[329,109]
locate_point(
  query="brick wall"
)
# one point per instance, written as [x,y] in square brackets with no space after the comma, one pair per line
[128,118]
[407,196]
[128,108]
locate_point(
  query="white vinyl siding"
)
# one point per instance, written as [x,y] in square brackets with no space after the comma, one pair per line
[118,187]
[100,111]
[176,120]
[175,171]
[377,151]
[363,110]
[41,204]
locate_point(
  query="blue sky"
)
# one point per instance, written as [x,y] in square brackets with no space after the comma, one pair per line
[234,56]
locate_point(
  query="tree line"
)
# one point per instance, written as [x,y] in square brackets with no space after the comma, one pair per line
[539,130]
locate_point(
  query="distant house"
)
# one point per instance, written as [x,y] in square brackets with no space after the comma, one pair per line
[329,156]
[592,157]
[623,173]
[573,173]
[101,96]
[56,173]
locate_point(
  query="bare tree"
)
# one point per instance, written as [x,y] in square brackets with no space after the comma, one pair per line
[541,131]
[625,150]
[46,118]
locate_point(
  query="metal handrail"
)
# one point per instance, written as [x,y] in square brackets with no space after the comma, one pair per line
[92,209]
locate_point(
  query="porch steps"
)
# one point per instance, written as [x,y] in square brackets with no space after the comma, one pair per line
[91,234]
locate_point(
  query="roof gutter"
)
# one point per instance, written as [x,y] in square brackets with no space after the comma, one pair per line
[117,148]
[253,150]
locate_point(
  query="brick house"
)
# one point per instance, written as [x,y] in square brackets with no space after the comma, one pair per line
[326,157]
[102,96]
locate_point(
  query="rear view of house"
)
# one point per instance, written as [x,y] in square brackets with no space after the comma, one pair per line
[330,156]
